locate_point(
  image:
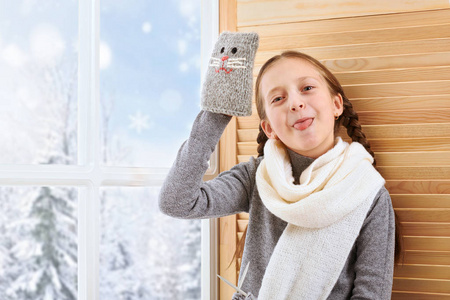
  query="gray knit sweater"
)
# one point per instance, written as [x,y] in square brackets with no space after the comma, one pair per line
[368,271]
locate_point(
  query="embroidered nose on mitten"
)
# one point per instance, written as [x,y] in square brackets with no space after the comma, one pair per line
[227,88]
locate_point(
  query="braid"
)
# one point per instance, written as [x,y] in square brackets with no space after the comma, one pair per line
[261,140]
[351,122]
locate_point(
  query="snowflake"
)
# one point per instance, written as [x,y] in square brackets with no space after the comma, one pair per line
[139,122]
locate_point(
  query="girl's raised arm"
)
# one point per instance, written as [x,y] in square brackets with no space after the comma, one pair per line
[227,90]
[185,195]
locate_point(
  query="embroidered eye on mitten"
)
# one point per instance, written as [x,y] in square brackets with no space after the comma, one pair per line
[227,88]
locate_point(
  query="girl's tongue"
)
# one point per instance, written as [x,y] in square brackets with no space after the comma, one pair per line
[303,125]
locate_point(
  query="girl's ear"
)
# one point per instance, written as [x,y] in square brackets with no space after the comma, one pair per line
[338,104]
[268,130]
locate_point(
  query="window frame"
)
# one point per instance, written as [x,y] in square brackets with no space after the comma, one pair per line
[92,175]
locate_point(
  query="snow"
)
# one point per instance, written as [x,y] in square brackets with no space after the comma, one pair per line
[49,294]
[14,56]
[182,47]
[46,43]
[171,100]
[139,122]
[105,55]
[33,282]
[55,279]
[151,262]
[188,8]
[184,67]
[146,27]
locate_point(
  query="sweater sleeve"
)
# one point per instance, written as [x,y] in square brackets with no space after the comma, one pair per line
[375,251]
[184,194]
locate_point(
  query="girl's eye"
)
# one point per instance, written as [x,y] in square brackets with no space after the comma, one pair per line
[308,88]
[277,99]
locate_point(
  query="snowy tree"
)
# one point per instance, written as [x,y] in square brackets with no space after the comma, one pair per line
[167,267]
[120,268]
[14,209]
[8,270]
[49,270]
[120,276]
[47,250]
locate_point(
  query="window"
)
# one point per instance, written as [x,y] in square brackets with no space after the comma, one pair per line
[93,109]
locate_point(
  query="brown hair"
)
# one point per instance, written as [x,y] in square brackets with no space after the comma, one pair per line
[348,118]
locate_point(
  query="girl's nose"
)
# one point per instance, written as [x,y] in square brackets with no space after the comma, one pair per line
[225,58]
[297,105]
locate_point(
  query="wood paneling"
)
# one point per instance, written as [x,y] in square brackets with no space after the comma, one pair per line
[393,60]
[422,285]
[405,295]
[397,89]
[384,63]
[418,186]
[423,271]
[364,50]
[441,117]
[422,73]
[424,215]
[414,173]
[411,144]
[357,23]
[437,102]
[227,225]
[426,257]
[420,201]
[419,226]
[227,150]
[227,15]
[356,37]
[429,244]
[256,12]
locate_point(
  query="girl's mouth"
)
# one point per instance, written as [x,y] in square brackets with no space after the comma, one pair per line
[304,123]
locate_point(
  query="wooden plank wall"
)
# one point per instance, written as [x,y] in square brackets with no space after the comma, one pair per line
[227,159]
[393,59]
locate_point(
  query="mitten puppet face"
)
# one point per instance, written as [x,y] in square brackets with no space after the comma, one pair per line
[228,60]
[228,84]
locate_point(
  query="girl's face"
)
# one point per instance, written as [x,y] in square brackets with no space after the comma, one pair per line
[299,108]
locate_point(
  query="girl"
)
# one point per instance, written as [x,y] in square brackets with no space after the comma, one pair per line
[321,223]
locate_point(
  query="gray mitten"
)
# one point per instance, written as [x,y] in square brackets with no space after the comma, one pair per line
[228,84]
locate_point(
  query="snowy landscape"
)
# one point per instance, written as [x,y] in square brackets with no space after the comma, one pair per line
[143,254]
[149,95]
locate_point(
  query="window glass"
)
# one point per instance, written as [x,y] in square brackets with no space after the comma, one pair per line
[143,253]
[38,243]
[38,81]
[149,79]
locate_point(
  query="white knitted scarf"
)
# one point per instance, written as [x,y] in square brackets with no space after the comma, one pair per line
[324,212]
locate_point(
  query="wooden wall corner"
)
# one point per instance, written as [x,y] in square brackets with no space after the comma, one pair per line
[228,15]
[227,159]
